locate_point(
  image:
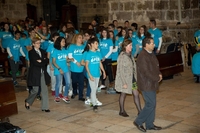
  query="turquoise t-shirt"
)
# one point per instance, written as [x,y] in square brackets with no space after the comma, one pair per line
[155,34]
[94,58]
[61,60]
[14,46]
[77,53]
[5,38]
[104,46]
[28,42]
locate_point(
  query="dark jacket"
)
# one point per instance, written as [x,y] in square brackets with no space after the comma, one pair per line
[147,71]
[34,74]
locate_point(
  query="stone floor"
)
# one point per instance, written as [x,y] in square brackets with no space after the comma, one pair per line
[177,111]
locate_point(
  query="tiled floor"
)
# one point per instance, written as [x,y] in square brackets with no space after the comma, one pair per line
[178,111]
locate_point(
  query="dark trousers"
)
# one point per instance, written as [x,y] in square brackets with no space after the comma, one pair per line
[107,64]
[77,83]
[147,115]
[14,68]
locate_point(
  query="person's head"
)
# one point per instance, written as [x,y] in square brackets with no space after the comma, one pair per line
[77,39]
[17,34]
[43,23]
[63,28]
[14,28]
[59,43]
[126,46]
[6,26]
[90,27]
[119,29]
[36,28]
[152,23]
[111,35]
[44,30]
[104,33]
[93,43]
[130,33]
[126,24]
[86,35]
[115,23]
[124,32]
[70,25]
[31,32]
[94,23]
[36,42]
[111,27]
[54,36]
[148,44]
[143,30]
[134,26]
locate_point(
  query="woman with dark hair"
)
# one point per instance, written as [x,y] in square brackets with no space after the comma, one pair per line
[14,29]
[61,69]
[125,81]
[38,76]
[5,37]
[137,40]
[62,30]
[106,48]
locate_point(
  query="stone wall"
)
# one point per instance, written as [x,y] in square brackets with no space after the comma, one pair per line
[16,9]
[164,11]
[88,9]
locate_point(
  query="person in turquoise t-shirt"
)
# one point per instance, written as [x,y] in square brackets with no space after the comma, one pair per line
[196,64]
[94,67]
[106,48]
[60,68]
[75,52]
[5,37]
[137,41]
[50,68]
[156,34]
[197,37]
[14,49]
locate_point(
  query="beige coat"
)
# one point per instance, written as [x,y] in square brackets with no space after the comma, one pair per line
[125,70]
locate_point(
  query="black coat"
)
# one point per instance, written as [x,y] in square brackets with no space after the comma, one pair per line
[34,74]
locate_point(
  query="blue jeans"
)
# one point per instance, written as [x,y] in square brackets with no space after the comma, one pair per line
[77,82]
[147,115]
[66,76]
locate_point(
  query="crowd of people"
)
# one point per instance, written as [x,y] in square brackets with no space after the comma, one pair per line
[65,58]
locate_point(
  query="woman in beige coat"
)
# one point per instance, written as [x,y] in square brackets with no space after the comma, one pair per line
[125,81]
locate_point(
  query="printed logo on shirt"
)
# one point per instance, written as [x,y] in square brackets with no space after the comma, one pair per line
[103,45]
[78,51]
[62,56]
[16,46]
[95,59]
[7,36]
[152,35]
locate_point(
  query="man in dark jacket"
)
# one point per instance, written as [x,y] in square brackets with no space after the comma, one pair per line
[148,78]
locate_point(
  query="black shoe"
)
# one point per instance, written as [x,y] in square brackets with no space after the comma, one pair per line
[154,128]
[140,127]
[27,106]
[95,108]
[38,97]
[46,110]
[73,96]
[81,99]
[124,114]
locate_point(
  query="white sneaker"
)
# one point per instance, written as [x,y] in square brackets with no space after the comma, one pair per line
[98,103]
[102,86]
[87,102]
